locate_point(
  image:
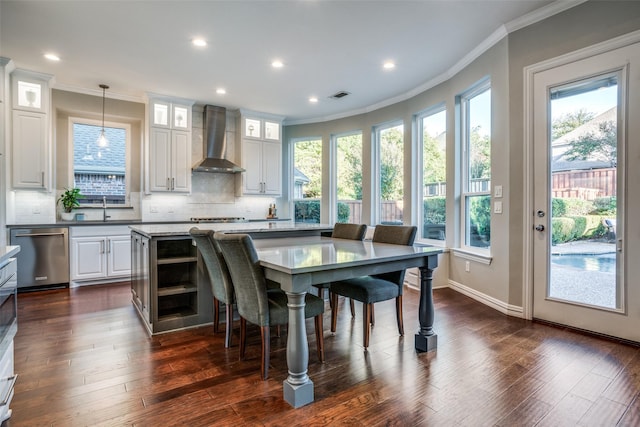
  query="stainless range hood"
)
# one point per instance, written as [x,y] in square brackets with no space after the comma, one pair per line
[215,142]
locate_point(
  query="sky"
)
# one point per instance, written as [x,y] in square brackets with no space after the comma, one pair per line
[596,102]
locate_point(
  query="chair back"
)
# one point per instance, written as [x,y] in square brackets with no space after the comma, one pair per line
[221,285]
[396,235]
[248,276]
[349,231]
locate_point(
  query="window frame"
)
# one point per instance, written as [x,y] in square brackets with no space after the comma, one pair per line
[292,164]
[418,121]
[462,105]
[333,216]
[72,120]
[376,190]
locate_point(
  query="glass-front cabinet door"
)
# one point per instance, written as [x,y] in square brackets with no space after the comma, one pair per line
[170,115]
[160,114]
[30,91]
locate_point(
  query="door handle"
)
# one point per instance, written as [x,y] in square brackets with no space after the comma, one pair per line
[539,227]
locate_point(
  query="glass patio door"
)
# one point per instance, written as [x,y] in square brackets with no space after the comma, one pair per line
[581,130]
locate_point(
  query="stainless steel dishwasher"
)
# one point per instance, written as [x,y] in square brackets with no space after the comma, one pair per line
[43,260]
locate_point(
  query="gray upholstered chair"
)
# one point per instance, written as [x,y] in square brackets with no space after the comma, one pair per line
[221,285]
[342,231]
[255,302]
[380,287]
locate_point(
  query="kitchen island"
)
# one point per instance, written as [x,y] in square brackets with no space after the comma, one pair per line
[169,283]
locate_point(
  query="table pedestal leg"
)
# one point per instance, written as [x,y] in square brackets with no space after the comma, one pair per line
[298,387]
[426,339]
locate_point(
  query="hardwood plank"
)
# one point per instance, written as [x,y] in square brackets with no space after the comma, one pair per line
[84,358]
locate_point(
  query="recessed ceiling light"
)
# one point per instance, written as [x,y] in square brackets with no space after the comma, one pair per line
[313,99]
[199,42]
[277,64]
[221,91]
[389,65]
[52,57]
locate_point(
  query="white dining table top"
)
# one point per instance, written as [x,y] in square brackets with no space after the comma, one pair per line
[308,254]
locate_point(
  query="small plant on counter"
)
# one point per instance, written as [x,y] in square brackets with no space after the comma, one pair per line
[69,199]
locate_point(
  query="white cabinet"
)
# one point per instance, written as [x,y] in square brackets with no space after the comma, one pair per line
[100,253]
[261,155]
[169,145]
[30,148]
[29,160]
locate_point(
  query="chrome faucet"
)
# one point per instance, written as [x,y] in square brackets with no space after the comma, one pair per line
[104,209]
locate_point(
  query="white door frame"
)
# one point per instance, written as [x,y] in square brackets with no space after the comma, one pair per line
[528,143]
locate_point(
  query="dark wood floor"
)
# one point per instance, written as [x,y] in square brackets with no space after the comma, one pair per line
[83,358]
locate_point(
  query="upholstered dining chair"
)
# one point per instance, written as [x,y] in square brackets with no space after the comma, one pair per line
[221,285]
[255,302]
[380,287]
[342,231]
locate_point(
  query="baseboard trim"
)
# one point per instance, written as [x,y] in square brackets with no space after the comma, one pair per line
[496,304]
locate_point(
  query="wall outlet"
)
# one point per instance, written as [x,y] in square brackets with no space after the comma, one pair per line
[497,207]
[467,266]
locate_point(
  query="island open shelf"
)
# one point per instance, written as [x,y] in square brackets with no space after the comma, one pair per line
[169,283]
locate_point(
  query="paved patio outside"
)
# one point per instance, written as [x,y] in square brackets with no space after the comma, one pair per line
[579,285]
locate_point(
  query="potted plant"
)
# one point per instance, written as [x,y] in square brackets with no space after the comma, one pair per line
[69,200]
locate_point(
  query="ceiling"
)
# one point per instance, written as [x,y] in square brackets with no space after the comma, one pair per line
[137,47]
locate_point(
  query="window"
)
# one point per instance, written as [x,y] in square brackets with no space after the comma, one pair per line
[307,179]
[390,182]
[100,172]
[432,131]
[475,111]
[349,177]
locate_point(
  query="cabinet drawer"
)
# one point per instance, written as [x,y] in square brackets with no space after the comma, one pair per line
[100,230]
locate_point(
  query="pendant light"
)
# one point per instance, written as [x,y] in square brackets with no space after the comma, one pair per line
[102,139]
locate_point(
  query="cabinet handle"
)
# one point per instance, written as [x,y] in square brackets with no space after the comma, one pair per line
[173,184]
[42,179]
[109,246]
[168,184]
[101,246]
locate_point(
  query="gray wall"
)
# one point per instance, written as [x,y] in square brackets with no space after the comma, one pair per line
[579,27]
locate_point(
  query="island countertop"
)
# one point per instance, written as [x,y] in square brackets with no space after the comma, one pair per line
[257,229]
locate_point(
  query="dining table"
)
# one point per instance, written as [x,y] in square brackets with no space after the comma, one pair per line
[297,263]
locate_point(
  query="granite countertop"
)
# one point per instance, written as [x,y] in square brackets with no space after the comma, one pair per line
[7,252]
[155,230]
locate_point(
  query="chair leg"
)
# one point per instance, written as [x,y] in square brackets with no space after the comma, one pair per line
[373,316]
[399,315]
[243,336]
[266,348]
[331,300]
[320,337]
[334,312]
[366,321]
[216,315]
[353,309]
[229,325]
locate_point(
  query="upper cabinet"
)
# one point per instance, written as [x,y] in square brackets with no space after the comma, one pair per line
[261,144]
[31,145]
[170,145]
